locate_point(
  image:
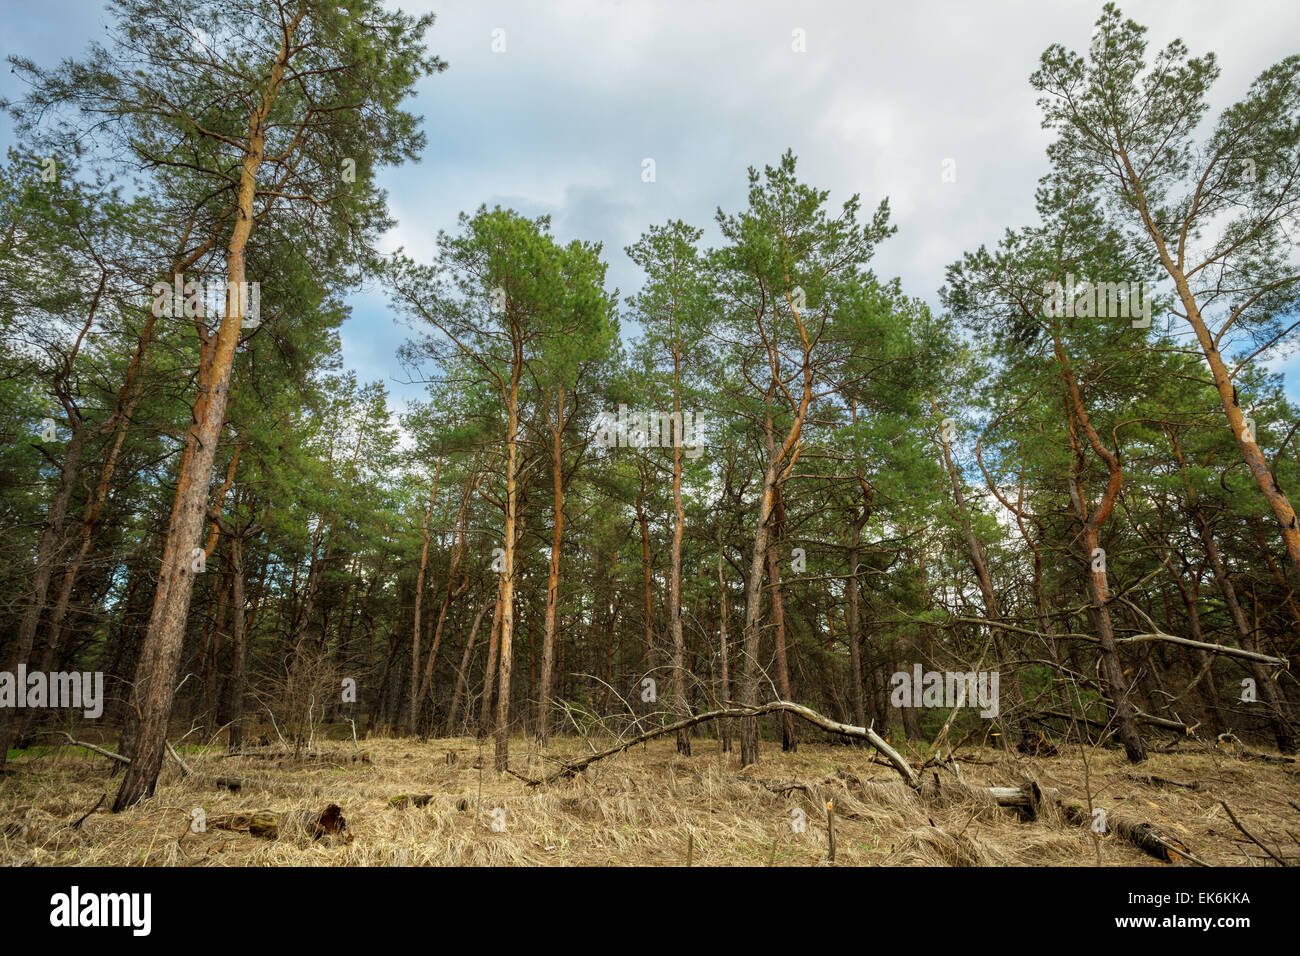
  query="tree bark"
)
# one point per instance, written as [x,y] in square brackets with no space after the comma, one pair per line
[643,523]
[854,625]
[753,598]
[490,667]
[233,700]
[457,552]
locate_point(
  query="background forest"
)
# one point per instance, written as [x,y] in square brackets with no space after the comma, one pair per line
[199,502]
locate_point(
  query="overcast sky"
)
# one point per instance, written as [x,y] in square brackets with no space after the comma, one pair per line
[561,120]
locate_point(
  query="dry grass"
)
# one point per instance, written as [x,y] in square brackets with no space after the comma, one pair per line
[640,807]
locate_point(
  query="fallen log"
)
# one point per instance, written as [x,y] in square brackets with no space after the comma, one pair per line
[1031,799]
[304,757]
[277,824]
[1152,780]
[402,800]
[1152,841]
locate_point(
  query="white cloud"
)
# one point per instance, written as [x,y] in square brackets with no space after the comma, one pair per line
[560,122]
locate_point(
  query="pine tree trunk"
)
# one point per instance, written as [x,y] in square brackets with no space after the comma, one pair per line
[1268,691]
[462,674]
[155,684]
[854,625]
[752,633]
[1092,521]
[724,651]
[1199,664]
[1116,682]
[506,650]
[789,742]
[47,552]
[413,715]
[452,592]
[643,523]
[553,572]
[232,706]
[680,708]
[1250,450]
[490,667]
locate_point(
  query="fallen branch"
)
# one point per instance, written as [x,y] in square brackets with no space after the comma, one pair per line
[1177,725]
[1134,639]
[1203,646]
[229,783]
[185,771]
[1030,799]
[99,750]
[1154,781]
[1142,718]
[781,788]
[825,723]
[1243,751]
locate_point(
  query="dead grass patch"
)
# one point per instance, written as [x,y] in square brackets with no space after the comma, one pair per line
[641,807]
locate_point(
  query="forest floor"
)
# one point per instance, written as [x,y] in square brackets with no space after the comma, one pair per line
[647,806]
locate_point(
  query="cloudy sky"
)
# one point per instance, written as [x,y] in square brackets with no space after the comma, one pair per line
[560,117]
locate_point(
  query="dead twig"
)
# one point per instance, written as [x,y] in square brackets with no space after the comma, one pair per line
[82,818]
[1250,836]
